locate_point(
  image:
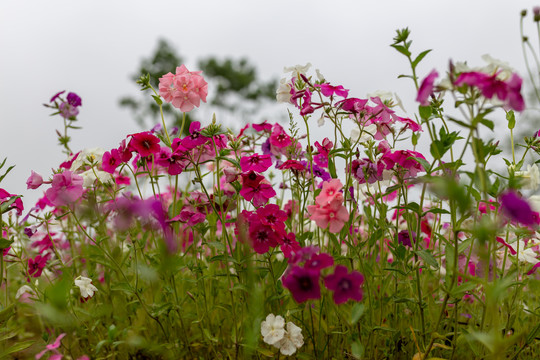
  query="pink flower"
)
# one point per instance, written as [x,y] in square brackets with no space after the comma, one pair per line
[329,90]
[271,215]
[279,137]
[333,215]
[255,188]
[507,91]
[426,88]
[184,90]
[344,285]
[255,162]
[34,181]
[403,159]
[111,160]
[66,188]
[303,284]
[288,244]
[52,347]
[331,190]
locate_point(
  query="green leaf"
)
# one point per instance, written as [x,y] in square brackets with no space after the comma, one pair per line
[332,168]
[16,348]
[357,350]
[510,116]
[428,258]
[425,164]
[357,312]
[425,112]
[6,205]
[5,243]
[420,57]
[402,49]
[6,313]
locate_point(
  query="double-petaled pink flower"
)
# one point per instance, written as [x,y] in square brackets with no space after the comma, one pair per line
[184,90]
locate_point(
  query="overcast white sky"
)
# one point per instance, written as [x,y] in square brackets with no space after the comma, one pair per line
[91,48]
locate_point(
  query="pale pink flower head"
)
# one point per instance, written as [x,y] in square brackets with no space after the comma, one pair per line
[184,90]
[66,188]
[332,216]
[331,191]
[52,347]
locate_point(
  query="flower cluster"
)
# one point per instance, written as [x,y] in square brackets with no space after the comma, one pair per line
[286,340]
[184,90]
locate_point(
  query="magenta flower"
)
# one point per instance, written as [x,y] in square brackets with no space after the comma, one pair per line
[36,265]
[279,137]
[34,181]
[256,189]
[288,244]
[344,285]
[507,91]
[318,262]
[256,162]
[262,236]
[426,88]
[329,90]
[66,189]
[517,209]
[68,111]
[271,215]
[111,160]
[303,284]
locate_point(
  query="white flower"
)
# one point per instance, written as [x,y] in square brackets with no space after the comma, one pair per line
[273,329]
[368,132]
[283,92]
[24,289]
[292,340]
[89,177]
[320,76]
[535,202]
[87,156]
[297,69]
[86,287]
[531,177]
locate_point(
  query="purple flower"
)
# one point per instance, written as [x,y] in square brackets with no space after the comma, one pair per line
[74,99]
[344,285]
[426,88]
[303,284]
[405,239]
[517,209]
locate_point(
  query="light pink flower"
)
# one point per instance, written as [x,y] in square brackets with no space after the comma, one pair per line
[333,215]
[34,181]
[331,191]
[184,90]
[66,188]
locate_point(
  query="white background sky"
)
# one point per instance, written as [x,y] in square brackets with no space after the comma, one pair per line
[91,48]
